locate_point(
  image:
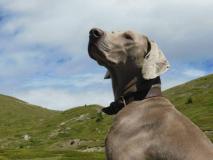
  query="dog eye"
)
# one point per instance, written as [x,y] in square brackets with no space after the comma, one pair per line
[128,36]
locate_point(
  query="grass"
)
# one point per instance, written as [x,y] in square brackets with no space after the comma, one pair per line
[200,109]
[33,154]
[57,135]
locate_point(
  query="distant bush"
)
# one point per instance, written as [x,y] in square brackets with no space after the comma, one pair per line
[189,100]
[21,146]
[99,117]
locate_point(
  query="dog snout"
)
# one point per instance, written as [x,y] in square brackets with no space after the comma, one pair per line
[96,33]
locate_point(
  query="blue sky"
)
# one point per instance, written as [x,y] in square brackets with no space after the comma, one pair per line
[43,49]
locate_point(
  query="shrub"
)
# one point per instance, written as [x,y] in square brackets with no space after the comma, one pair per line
[189,100]
[99,117]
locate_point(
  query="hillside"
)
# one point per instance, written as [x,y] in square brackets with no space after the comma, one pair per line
[195,100]
[29,131]
[19,119]
[23,125]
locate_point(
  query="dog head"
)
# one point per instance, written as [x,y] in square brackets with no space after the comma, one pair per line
[114,49]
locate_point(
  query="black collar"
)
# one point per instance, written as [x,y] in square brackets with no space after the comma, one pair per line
[147,89]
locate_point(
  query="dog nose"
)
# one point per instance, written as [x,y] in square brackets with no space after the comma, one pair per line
[96,33]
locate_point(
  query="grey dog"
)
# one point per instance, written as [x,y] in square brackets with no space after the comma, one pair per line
[146,126]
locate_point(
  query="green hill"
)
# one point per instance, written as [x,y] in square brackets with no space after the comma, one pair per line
[29,131]
[19,119]
[195,100]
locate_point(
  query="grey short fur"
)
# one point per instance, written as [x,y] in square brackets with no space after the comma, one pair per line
[150,129]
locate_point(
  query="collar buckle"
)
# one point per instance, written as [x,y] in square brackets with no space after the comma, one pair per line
[123,100]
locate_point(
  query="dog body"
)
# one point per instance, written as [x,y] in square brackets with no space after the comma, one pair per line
[148,127]
[152,129]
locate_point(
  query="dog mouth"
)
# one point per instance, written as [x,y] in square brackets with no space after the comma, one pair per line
[97,48]
[96,53]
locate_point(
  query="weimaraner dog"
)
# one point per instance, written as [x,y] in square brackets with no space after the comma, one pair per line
[146,126]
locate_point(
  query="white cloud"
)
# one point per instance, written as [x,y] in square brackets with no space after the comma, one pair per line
[194,73]
[183,30]
[176,77]
[59,99]
[171,81]
[78,80]
[19,63]
[65,24]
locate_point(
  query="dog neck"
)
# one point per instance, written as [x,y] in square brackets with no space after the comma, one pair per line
[124,78]
[141,89]
[132,85]
[135,89]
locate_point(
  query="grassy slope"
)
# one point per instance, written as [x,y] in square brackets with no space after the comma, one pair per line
[18,118]
[35,154]
[79,123]
[50,131]
[53,131]
[200,111]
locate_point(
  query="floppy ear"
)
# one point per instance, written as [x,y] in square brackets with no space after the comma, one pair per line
[155,62]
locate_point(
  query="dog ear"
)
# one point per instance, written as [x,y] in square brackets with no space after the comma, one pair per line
[155,62]
[107,75]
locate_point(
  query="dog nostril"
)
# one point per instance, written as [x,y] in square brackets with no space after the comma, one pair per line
[96,33]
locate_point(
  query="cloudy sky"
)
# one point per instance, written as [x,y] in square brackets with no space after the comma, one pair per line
[43,45]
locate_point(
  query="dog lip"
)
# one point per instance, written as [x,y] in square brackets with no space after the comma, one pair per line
[95,53]
[92,40]
[91,45]
[90,48]
[91,37]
